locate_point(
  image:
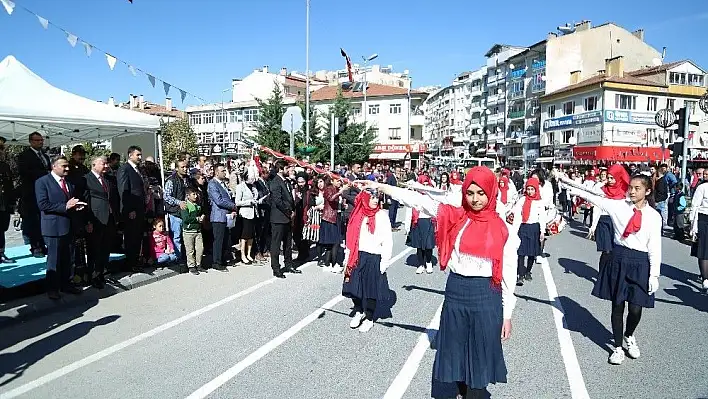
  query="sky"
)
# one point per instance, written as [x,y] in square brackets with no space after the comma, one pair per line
[200,45]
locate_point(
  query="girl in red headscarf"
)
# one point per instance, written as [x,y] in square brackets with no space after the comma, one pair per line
[616,183]
[421,234]
[369,243]
[631,275]
[479,295]
[532,211]
[455,177]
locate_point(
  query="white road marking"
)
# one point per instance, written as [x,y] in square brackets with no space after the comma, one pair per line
[225,377]
[268,347]
[122,345]
[570,359]
[410,367]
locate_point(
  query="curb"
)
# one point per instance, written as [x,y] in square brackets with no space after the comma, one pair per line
[23,309]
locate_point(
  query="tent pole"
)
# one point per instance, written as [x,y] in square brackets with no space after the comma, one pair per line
[162,171]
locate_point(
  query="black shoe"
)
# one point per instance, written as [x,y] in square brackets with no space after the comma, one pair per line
[53,295]
[5,259]
[278,274]
[201,269]
[519,281]
[72,290]
[194,271]
[528,277]
[98,283]
[290,269]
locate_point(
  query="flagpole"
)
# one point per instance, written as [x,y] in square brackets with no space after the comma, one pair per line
[307,74]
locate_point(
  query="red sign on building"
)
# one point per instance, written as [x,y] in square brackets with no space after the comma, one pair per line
[620,154]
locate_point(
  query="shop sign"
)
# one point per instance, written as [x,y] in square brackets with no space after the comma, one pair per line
[620,153]
[394,147]
[563,155]
[589,134]
[570,121]
[641,118]
[546,151]
[531,154]
[629,136]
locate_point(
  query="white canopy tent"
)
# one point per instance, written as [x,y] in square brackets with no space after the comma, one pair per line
[28,104]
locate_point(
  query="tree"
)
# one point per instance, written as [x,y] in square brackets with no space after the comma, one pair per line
[268,126]
[317,139]
[357,141]
[177,137]
[93,150]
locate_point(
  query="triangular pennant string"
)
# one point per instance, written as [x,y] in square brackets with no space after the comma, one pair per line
[9,6]
[43,21]
[151,79]
[166,86]
[182,94]
[111,61]
[132,70]
[72,39]
[88,48]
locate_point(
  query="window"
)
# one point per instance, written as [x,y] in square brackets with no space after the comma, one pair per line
[670,104]
[375,131]
[624,101]
[373,109]
[537,82]
[652,137]
[195,119]
[695,80]
[652,103]
[220,117]
[356,110]
[591,103]
[692,104]
[569,108]
[394,133]
[517,87]
[235,116]
[412,133]
[677,78]
[567,136]
[208,118]
[551,111]
[250,115]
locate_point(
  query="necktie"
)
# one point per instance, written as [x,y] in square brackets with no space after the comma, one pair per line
[64,188]
[103,183]
[41,158]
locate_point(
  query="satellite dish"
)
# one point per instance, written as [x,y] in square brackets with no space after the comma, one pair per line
[656,62]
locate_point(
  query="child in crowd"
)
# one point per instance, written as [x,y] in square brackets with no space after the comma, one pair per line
[163,251]
[192,217]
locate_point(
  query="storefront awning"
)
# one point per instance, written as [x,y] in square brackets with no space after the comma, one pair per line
[544,160]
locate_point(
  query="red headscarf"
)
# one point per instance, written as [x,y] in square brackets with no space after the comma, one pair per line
[486,233]
[356,219]
[506,172]
[619,189]
[504,188]
[455,177]
[526,209]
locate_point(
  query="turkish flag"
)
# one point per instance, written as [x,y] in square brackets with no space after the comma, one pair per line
[349,64]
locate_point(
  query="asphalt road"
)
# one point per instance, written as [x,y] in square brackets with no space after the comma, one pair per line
[243,334]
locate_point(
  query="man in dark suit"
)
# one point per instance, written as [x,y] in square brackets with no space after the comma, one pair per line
[131,188]
[32,164]
[282,213]
[103,208]
[56,202]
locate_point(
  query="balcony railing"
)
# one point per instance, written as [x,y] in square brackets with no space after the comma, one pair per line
[513,95]
[539,64]
[518,74]
[475,121]
[517,114]
[539,87]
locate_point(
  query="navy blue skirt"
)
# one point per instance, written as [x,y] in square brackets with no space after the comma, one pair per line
[605,234]
[366,281]
[699,248]
[423,234]
[330,233]
[468,342]
[625,277]
[530,235]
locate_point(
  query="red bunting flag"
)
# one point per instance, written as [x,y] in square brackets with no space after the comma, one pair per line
[349,64]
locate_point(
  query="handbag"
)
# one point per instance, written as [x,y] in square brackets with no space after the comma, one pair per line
[311,230]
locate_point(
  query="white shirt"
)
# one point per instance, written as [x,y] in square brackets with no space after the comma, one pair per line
[57,178]
[699,202]
[536,215]
[547,194]
[381,241]
[597,211]
[647,239]
[465,264]
[135,167]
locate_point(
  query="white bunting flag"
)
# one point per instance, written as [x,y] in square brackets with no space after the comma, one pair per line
[43,21]
[111,61]
[88,48]
[72,39]
[132,70]
[151,79]
[166,86]
[182,94]
[9,6]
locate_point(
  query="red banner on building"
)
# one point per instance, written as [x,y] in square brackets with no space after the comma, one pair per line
[620,154]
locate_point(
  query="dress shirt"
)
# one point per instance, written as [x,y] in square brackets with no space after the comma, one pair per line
[537,214]
[380,242]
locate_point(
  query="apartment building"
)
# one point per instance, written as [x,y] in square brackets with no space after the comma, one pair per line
[610,116]
[393,112]
[378,74]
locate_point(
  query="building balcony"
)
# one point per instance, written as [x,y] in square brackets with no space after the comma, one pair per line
[492,99]
[517,114]
[475,122]
[538,87]
[514,95]
[538,65]
[417,120]
[518,74]
[476,91]
[495,118]
[494,79]
[475,107]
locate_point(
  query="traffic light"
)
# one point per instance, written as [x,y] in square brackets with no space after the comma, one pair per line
[676,150]
[341,124]
[681,122]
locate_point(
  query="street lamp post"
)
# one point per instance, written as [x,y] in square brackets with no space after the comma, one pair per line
[307,74]
[366,61]
[223,121]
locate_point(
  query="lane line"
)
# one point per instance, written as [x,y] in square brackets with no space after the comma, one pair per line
[578,390]
[34,384]
[211,386]
[400,384]
[229,374]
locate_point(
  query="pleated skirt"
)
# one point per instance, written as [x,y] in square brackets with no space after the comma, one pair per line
[699,249]
[366,281]
[530,235]
[468,342]
[423,234]
[625,277]
[605,234]
[330,233]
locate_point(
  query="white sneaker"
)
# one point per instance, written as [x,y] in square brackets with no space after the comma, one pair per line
[705,284]
[420,269]
[337,269]
[356,320]
[366,325]
[617,356]
[327,268]
[632,348]
[429,268]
